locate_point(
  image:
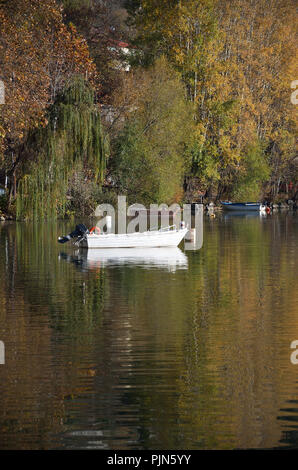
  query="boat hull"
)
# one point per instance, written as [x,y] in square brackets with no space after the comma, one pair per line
[152,239]
[245,207]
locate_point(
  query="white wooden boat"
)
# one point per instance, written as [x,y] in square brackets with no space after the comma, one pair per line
[151,239]
[164,237]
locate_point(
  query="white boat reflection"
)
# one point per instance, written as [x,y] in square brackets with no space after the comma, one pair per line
[171,258]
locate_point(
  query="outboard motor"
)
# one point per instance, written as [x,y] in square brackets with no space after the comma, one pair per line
[79,232]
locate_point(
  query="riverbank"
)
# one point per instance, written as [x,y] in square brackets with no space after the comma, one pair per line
[288,205]
[281,206]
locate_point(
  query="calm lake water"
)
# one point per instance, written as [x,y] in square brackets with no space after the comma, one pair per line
[185,353]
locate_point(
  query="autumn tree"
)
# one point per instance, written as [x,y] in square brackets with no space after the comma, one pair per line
[71,145]
[38,56]
[237,59]
[150,152]
[101,22]
[188,34]
[260,49]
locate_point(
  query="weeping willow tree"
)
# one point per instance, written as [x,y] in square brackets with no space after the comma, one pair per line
[73,141]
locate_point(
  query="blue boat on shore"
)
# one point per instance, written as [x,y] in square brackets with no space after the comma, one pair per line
[243,206]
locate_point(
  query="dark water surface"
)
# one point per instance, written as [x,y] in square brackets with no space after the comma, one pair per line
[188,353]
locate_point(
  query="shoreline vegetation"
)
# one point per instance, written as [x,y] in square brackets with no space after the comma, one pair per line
[164,102]
[208,208]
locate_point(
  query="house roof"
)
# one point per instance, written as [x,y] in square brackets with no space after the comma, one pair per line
[120,44]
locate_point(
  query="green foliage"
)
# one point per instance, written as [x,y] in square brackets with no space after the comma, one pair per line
[76,5]
[3,203]
[236,60]
[204,165]
[213,158]
[248,185]
[83,195]
[150,153]
[133,167]
[73,140]
[187,32]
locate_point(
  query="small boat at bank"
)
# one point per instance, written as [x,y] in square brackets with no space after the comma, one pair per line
[243,206]
[164,237]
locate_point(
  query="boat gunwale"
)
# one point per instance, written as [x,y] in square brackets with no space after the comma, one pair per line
[148,233]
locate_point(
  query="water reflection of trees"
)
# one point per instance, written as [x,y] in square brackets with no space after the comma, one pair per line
[152,359]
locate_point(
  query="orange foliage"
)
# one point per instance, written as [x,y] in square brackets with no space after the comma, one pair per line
[38,55]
